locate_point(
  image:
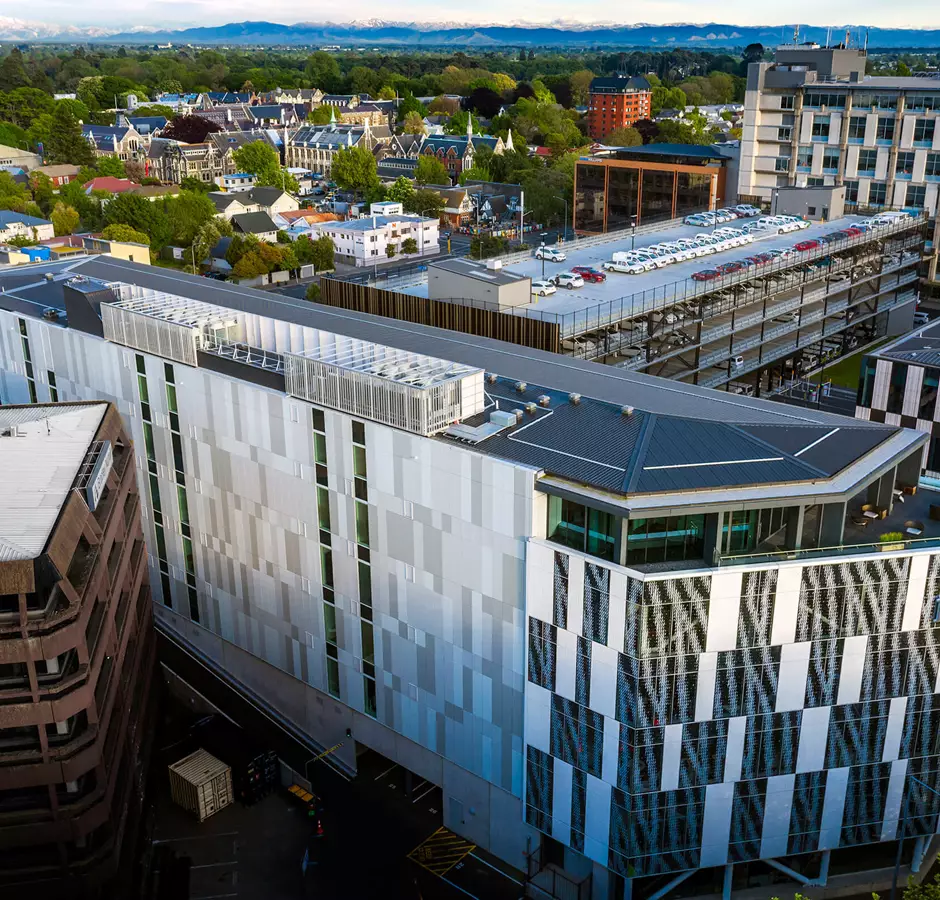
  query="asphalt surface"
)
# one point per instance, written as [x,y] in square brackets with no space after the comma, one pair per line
[382,829]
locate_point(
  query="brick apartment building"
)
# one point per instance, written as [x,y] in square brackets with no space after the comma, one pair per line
[76,650]
[617,101]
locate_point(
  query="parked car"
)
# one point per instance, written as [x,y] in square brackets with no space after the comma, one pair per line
[746,210]
[570,280]
[729,268]
[803,246]
[626,268]
[543,288]
[706,275]
[921,318]
[589,273]
[550,254]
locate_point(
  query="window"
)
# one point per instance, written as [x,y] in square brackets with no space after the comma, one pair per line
[821,128]
[924,131]
[784,133]
[867,160]
[814,181]
[918,102]
[804,157]
[916,196]
[885,128]
[582,528]
[856,128]
[782,164]
[851,191]
[816,99]
[877,193]
[786,101]
[905,163]
[884,101]
[662,538]
[932,169]
[53,389]
[831,159]
[896,387]
[928,395]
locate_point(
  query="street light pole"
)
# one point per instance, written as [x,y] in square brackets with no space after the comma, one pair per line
[633,232]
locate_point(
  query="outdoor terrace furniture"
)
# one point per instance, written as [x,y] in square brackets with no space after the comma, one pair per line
[909,489]
[870,511]
[914,528]
[860,521]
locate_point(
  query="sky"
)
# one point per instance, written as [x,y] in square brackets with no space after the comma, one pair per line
[178,14]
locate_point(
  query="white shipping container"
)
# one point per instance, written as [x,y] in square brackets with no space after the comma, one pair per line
[201,784]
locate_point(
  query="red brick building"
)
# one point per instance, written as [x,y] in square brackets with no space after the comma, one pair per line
[617,101]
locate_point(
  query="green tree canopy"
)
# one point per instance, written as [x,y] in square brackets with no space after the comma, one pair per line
[64,218]
[354,169]
[624,137]
[430,170]
[142,215]
[120,232]
[110,165]
[66,143]
[261,160]
[188,212]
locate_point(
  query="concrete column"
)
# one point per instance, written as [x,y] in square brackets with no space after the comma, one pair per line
[881,492]
[711,537]
[832,523]
[909,469]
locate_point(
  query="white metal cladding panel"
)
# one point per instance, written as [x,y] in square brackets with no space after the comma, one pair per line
[716,825]
[777,808]
[879,399]
[916,590]
[563,775]
[915,378]
[161,338]
[814,732]
[723,610]
[786,607]
[830,830]
[897,711]
[889,828]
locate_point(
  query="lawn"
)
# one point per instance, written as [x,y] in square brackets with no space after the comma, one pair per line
[845,372]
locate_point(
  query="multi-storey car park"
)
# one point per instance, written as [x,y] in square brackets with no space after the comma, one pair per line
[634,628]
[753,330]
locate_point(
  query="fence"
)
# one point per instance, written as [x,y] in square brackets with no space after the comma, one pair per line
[469,318]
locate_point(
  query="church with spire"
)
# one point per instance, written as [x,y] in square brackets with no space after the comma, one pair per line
[456,152]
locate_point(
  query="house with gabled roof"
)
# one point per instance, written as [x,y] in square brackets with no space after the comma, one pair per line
[456,151]
[122,141]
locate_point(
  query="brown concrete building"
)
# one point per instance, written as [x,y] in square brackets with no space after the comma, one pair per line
[76,649]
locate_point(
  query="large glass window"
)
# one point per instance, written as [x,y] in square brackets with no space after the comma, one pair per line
[916,196]
[885,129]
[821,128]
[867,160]
[896,387]
[928,395]
[856,128]
[866,383]
[924,130]
[851,191]
[623,188]
[693,192]
[589,199]
[877,193]
[739,530]
[656,197]
[661,538]
[581,528]
[804,157]
[905,163]
[922,102]
[932,169]
[831,159]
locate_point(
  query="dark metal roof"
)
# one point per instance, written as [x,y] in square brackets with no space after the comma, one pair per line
[254,223]
[619,83]
[678,437]
[697,151]
[921,347]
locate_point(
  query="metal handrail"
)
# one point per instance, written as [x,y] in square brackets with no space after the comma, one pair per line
[902,544]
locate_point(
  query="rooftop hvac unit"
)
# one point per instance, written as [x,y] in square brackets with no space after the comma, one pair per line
[543,400]
[531,408]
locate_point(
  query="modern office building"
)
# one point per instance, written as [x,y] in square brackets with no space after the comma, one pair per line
[654,183]
[814,118]
[617,101]
[612,617]
[899,384]
[76,642]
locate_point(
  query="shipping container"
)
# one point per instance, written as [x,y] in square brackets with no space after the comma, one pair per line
[201,784]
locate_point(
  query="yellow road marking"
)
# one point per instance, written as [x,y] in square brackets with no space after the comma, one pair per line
[441,851]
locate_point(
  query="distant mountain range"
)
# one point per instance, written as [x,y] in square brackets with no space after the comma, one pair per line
[562,34]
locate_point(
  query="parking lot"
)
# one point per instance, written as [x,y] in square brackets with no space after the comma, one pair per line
[597,300]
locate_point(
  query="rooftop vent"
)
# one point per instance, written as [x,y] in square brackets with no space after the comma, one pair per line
[50,313]
[626,410]
[574,399]
[531,408]
[521,387]
[518,414]
[491,377]
[503,418]
[50,276]
[543,400]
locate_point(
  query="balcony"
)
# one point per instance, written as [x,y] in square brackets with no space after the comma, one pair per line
[908,523]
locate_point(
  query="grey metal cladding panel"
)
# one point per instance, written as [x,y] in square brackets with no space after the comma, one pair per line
[735,475]
[590,379]
[844,447]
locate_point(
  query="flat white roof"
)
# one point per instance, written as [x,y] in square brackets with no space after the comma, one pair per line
[42,449]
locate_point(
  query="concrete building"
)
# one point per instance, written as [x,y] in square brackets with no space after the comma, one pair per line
[617,101]
[628,627]
[367,240]
[14,156]
[14,224]
[817,204]
[486,285]
[814,118]
[76,643]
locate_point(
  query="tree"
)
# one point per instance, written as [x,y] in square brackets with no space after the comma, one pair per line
[191,129]
[313,293]
[386,93]
[142,215]
[120,232]
[323,253]
[425,202]
[648,130]
[414,124]
[580,84]
[13,71]
[354,169]
[187,213]
[66,144]
[474,173]
[753,53]
[64,218]
[485,101]
[457,123]
[110,165]
[444,106]
[321,115]
[12,195]
[12,135]
[155,109]
[409,245]
[667,98]
[251,265]
[24,104]
[261,160]
[401,190]
[430,170]
[624,137]
[410,104]
[42,189]
[191,183]
[390,250]
[323,71]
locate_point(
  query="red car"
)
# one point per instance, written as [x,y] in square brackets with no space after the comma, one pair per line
[589,274]
[729,268]
[806,245]
[706,275]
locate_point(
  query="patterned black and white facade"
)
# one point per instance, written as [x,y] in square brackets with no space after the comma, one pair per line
[732,714]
